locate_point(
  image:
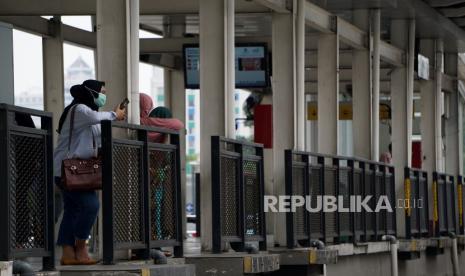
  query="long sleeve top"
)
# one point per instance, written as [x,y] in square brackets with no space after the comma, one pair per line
[86,134]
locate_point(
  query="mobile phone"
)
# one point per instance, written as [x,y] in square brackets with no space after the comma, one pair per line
[124,103]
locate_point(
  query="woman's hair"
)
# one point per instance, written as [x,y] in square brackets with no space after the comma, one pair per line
[84,93]
[161,112]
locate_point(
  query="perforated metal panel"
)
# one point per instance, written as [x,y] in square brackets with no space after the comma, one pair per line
[441,205]
[253,216]
[27,177]
[381,215]
[450,205]
[162,195]
[358,191]
[300,227]
[127,193]
[369,190]
[390,192]
[229,197]
[330,189]
[315,190]
[422,207]
[345,223]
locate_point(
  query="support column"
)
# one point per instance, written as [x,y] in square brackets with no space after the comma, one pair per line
[328,93]
[300,76]
[52,51]
[361,91]
[401,111]
[283,111]
[430,110]
[453,133]
[212,98]
[118,52]
[375,95]
[7,90]
[175,98]
[230,68]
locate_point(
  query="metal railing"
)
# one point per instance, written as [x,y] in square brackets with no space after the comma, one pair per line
[416,201]
[237,194]
[444,202]
[311,175]
[460,201]
[27,192]
[141,195]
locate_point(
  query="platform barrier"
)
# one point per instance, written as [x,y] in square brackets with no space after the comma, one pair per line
[141,196]
[417,205]
[27,190]
[445,218]
[237,194]
[309,174]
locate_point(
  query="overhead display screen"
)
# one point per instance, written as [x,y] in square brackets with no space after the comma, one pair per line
[250,64]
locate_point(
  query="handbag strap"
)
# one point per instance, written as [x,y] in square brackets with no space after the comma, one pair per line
[71,127]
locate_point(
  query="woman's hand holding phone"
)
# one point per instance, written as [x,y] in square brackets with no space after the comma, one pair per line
[120,113]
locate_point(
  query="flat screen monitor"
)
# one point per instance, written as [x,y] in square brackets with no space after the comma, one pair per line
[251,66]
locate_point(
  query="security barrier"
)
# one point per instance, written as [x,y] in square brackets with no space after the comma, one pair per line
[444,201]
[416,203]
[311,175]
[237,194]
[26,194]
[141,196]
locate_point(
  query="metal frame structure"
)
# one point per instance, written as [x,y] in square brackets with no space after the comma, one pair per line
[146,239]
[416,212]
[231,213]
[13,223]
[337,176]
[444,213]
[460,201]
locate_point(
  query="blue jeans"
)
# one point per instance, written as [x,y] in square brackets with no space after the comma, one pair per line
[80,212]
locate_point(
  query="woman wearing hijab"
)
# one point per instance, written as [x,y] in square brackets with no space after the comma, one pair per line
[161,117]
[80,208]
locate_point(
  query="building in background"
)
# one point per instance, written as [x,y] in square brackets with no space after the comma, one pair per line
[76,73]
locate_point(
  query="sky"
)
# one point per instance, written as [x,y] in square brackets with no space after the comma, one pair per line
[28,63]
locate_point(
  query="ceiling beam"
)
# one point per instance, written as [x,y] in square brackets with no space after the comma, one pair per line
[444,3]
[88,7]
[459,21]
[453,12]
[391,54]
[279,6]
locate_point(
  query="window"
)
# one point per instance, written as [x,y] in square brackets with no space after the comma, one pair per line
[191,141]
[79,65]
[191,114]
[191,100]
[28,70]
[151,82]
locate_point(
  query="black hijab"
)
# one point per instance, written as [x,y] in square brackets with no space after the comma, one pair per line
[84,93]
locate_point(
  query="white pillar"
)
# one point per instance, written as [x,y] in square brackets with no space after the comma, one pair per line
[300,76]
[175,98]
[212,98]
[401,103]
[361,91]
[283,110]
[410,87]
[7,90]
[328,93]
[375,81]
[439,69]
[452,138]
[430,110]
[52,51]
[230,69]
[118,52]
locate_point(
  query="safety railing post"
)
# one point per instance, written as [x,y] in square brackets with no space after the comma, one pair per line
[460,198]
[143,136]
[216,194]
[261,168]
[4,189]
[321,162]
[288,157]
[107,192]
[176,141]
[48,262]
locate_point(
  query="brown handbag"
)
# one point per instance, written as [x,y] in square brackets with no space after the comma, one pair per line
[81,174]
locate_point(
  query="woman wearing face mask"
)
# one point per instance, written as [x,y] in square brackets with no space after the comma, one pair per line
[80,208]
